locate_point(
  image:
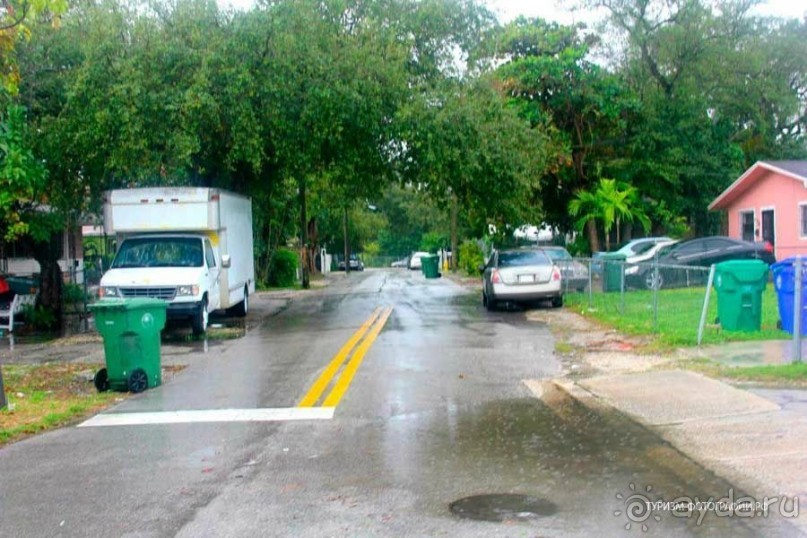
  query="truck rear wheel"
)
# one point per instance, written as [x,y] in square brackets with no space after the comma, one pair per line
[242,308]
[199,320]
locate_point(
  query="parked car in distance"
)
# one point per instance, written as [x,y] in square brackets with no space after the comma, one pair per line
[520,276]
[573,273]
[633,248]
[701,252]
[415,261]
[355,264]
[402,263]
[649,253]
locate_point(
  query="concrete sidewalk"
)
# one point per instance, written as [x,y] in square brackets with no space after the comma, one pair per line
[756,440]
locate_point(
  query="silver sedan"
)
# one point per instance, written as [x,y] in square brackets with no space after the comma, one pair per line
[520,276]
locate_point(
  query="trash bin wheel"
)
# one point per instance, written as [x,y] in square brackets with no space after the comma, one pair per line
[138,380]
[101,380]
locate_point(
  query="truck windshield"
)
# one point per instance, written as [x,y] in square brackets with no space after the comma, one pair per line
[159,252]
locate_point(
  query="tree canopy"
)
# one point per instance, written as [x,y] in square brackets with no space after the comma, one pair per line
[317,108]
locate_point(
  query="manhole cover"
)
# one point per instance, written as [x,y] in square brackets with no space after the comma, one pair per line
[502,507]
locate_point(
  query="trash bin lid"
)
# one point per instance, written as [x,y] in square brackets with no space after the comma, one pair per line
[742,272]
[788,262]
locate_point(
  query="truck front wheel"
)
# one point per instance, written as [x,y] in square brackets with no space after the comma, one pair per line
[199,320]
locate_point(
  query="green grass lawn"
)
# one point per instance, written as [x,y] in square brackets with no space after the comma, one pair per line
[793,374]
[679,312]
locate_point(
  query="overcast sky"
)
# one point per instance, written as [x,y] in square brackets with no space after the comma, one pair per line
[553,10]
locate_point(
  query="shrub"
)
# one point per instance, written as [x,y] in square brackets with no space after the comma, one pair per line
[432,242]
[470,257]
[283,269]
[72,293]
[39,317]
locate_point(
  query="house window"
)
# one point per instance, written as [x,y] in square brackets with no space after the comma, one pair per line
[803,219]
[747,225]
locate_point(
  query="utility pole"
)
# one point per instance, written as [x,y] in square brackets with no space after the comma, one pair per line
[347,244]
[454,240]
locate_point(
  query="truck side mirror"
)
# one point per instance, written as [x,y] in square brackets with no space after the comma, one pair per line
[226,261]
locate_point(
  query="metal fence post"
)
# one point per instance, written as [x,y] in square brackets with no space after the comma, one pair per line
[655,293]
[84,311]
[706,303]
[622,288]
[797,310]
[590,281]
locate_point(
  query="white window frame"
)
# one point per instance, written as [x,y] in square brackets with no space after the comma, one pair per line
[802,207]
[753,212]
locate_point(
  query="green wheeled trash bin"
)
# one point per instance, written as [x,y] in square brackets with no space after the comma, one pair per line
[131,332]
[430,265]
[612,271]
[739,285]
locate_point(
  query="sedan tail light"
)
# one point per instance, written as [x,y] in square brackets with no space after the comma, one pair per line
[768,247]
[555,273]
[495,277]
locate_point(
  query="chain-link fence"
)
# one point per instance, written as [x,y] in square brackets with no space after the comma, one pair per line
[77,297]
[649,298]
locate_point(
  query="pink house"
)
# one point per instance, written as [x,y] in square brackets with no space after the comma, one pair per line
[769,203]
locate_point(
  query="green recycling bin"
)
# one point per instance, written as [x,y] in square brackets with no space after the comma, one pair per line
[131,332]
[613,269]
[739,285]
[430,265]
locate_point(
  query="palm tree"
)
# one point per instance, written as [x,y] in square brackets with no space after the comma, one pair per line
[619,202]
[589,209]
[611,202]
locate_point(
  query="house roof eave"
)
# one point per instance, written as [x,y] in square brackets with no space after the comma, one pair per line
[727,196]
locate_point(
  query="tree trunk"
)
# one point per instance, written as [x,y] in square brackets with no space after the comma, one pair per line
[593,240]
[47,254]
[313,239]
[304,235]
[50,289]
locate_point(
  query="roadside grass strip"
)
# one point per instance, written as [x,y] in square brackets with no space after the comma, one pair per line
[356,348]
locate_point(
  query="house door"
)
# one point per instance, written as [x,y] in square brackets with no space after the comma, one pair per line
[768,233]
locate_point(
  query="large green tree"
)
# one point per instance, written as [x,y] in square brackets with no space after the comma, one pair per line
[719,89]
[545,71]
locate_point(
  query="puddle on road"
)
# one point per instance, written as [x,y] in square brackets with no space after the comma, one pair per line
[502,507]
[599,470]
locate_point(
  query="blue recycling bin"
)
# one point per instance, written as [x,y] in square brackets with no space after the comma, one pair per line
[784,282]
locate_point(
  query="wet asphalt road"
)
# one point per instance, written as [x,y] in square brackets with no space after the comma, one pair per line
[436,412]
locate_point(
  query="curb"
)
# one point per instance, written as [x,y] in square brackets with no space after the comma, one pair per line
[750,484]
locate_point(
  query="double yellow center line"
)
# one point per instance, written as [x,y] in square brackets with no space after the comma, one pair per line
[357,345]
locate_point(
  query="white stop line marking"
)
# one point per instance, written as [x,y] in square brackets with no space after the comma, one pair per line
[210,415]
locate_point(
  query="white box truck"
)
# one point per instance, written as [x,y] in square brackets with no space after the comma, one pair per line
[191,247]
